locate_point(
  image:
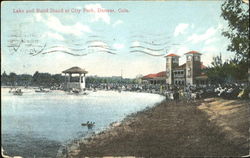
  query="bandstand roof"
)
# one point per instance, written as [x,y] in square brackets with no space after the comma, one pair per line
[75,69]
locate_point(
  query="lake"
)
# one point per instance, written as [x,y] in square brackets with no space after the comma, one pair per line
[37,124]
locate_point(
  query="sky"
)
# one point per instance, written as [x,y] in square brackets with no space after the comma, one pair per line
[108,38]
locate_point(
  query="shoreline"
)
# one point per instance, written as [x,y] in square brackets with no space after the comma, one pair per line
[72,147]
[165,130]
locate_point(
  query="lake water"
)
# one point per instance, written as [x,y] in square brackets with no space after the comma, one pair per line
[36,124]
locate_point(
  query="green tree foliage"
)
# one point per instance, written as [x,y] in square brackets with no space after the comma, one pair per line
[13,78]
[4,77]
[226,72]
[236,13]
[96,79]
[48,80]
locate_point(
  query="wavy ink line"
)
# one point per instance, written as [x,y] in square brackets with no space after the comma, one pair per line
[73,49]
[95,36]
[101,46]
[96,41]
[147,48]
[140,51]
[106,51]
[66,52]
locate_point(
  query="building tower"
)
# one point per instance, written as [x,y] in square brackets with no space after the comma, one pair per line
[193,66]
[172,61]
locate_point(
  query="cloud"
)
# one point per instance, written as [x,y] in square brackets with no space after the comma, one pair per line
[211,40]
[136,43]
[118,22]
[55,24]
[178,50]
[104,16]
[100,43]
[208,53]
[192,26]
[118,46]
[196,38]
[53,35]
[210,49]
[180,29]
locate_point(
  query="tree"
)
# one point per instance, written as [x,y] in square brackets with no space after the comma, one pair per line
[13,77]
[226,72]
[236,13]
[4,78]
[35,76]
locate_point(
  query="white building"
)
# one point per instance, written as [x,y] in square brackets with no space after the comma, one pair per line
[72,81]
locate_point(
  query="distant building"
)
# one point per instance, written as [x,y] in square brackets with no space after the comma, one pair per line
[77,82]
[158,78]
[189,73]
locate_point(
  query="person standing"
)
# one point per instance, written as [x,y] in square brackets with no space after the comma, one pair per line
[176,96]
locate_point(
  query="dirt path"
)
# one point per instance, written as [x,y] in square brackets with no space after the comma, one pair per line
[168,130]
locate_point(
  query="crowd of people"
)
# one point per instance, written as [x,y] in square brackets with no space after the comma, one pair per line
[175,92]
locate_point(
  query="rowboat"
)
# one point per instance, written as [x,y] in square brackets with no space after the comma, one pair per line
[17,92]
[90,125]
[42,91]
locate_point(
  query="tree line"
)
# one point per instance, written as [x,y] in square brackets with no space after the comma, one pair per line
[37,79]
[229,71]
[48,80]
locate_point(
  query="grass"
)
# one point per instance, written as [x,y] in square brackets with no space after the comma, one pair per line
[167,130]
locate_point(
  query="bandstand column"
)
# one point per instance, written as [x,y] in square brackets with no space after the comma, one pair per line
[70,77]
[80,76]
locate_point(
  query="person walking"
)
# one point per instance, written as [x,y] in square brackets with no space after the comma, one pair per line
[176,96]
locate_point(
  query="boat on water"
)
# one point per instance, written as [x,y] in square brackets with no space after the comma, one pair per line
[90,125]
[41,90]
[11,90]
[17,92]
[77,92]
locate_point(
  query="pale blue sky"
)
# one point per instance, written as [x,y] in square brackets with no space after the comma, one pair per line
[176,26]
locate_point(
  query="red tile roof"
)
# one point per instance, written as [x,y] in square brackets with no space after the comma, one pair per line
[159,74]
[163,73]
[172,55]
[149,76]
[193,52]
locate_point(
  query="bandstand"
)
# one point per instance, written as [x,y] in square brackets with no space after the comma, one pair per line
[72,81]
